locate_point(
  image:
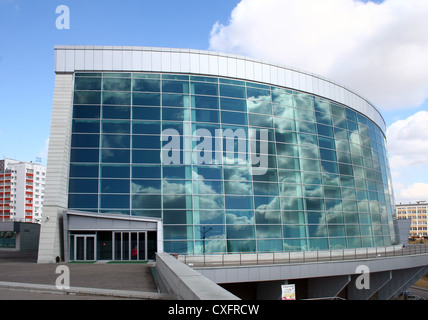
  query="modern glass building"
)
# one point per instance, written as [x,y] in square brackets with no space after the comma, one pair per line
[198,152]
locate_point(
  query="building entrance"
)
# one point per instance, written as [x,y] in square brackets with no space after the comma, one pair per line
[84,247]
[130,245]
[113,245]
[108,237]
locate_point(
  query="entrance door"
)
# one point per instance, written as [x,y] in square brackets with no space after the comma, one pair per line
[130,245]
[84,247]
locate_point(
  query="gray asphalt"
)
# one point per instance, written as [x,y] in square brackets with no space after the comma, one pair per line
[13,295]
[133,280]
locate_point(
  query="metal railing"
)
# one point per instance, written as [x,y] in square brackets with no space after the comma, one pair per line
[242,259]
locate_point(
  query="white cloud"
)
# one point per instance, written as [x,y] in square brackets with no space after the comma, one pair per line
[378,50]
[408,149]
[408,141]
[411,193]
[43,154]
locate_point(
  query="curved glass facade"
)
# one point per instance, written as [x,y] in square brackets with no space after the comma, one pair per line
[326,182]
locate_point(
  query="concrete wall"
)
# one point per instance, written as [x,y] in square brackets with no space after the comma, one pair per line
[27,235]
[389,275]
[56,198]
[186,283]
[403,226]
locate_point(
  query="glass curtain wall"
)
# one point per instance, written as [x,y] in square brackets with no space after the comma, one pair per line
[327,184]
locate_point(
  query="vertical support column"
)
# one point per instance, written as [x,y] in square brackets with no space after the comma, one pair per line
[159,236]
[56,192]
[327,287]
[377,281]
[401,279]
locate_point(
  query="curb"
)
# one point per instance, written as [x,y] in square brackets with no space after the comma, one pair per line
[43,288]
[420,288]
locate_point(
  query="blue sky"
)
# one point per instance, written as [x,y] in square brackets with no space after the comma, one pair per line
[378,48]
[28,35]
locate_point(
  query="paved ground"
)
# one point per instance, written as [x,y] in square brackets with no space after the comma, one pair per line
[14,295]
[19,268]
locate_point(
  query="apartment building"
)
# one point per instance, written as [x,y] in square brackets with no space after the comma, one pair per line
[22,186]
[417,212]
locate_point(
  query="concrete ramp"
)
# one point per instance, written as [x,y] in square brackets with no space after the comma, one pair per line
[187,284]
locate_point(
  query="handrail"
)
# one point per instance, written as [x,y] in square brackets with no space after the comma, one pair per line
[290,257]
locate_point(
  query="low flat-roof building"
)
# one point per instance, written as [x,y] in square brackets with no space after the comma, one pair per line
[418,214]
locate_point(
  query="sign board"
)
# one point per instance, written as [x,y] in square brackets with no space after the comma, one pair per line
[288,292]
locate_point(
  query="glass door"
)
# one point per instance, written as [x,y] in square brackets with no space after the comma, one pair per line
[130,245]
[84,247]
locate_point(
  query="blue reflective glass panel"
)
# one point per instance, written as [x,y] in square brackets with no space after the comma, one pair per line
[115,171]
[114,186]
[84,170]
[146,142]
[114,201]
[175,86]
[268,231]
[177,202]
[210,232]
[145,127]
[240,217]
[145,99]
[239,202]
[175,100]
[241,246]
[233,104]
[115,141]
[110,112]
[84,155]
[117,84]
[234,117]
[147,85]
[176,216]
[238,187]
[146,186]
[258,94]
[177,232]
[210,89]
[145,113]
[271,245]
[85,140]
[83,201]
[116,98]
[87,97]
[146,201]
[88,112]
[232,91]
[173,114]
[207,172]
[87,83]
[112,126]
[146,156]
[83,185]
[240,231]
[205,102]
[86,126]
[201,115]
[115,156]
[294,231]
[146,171]
[175,172]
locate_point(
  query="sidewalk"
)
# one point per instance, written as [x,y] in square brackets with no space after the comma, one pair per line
[126,280]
